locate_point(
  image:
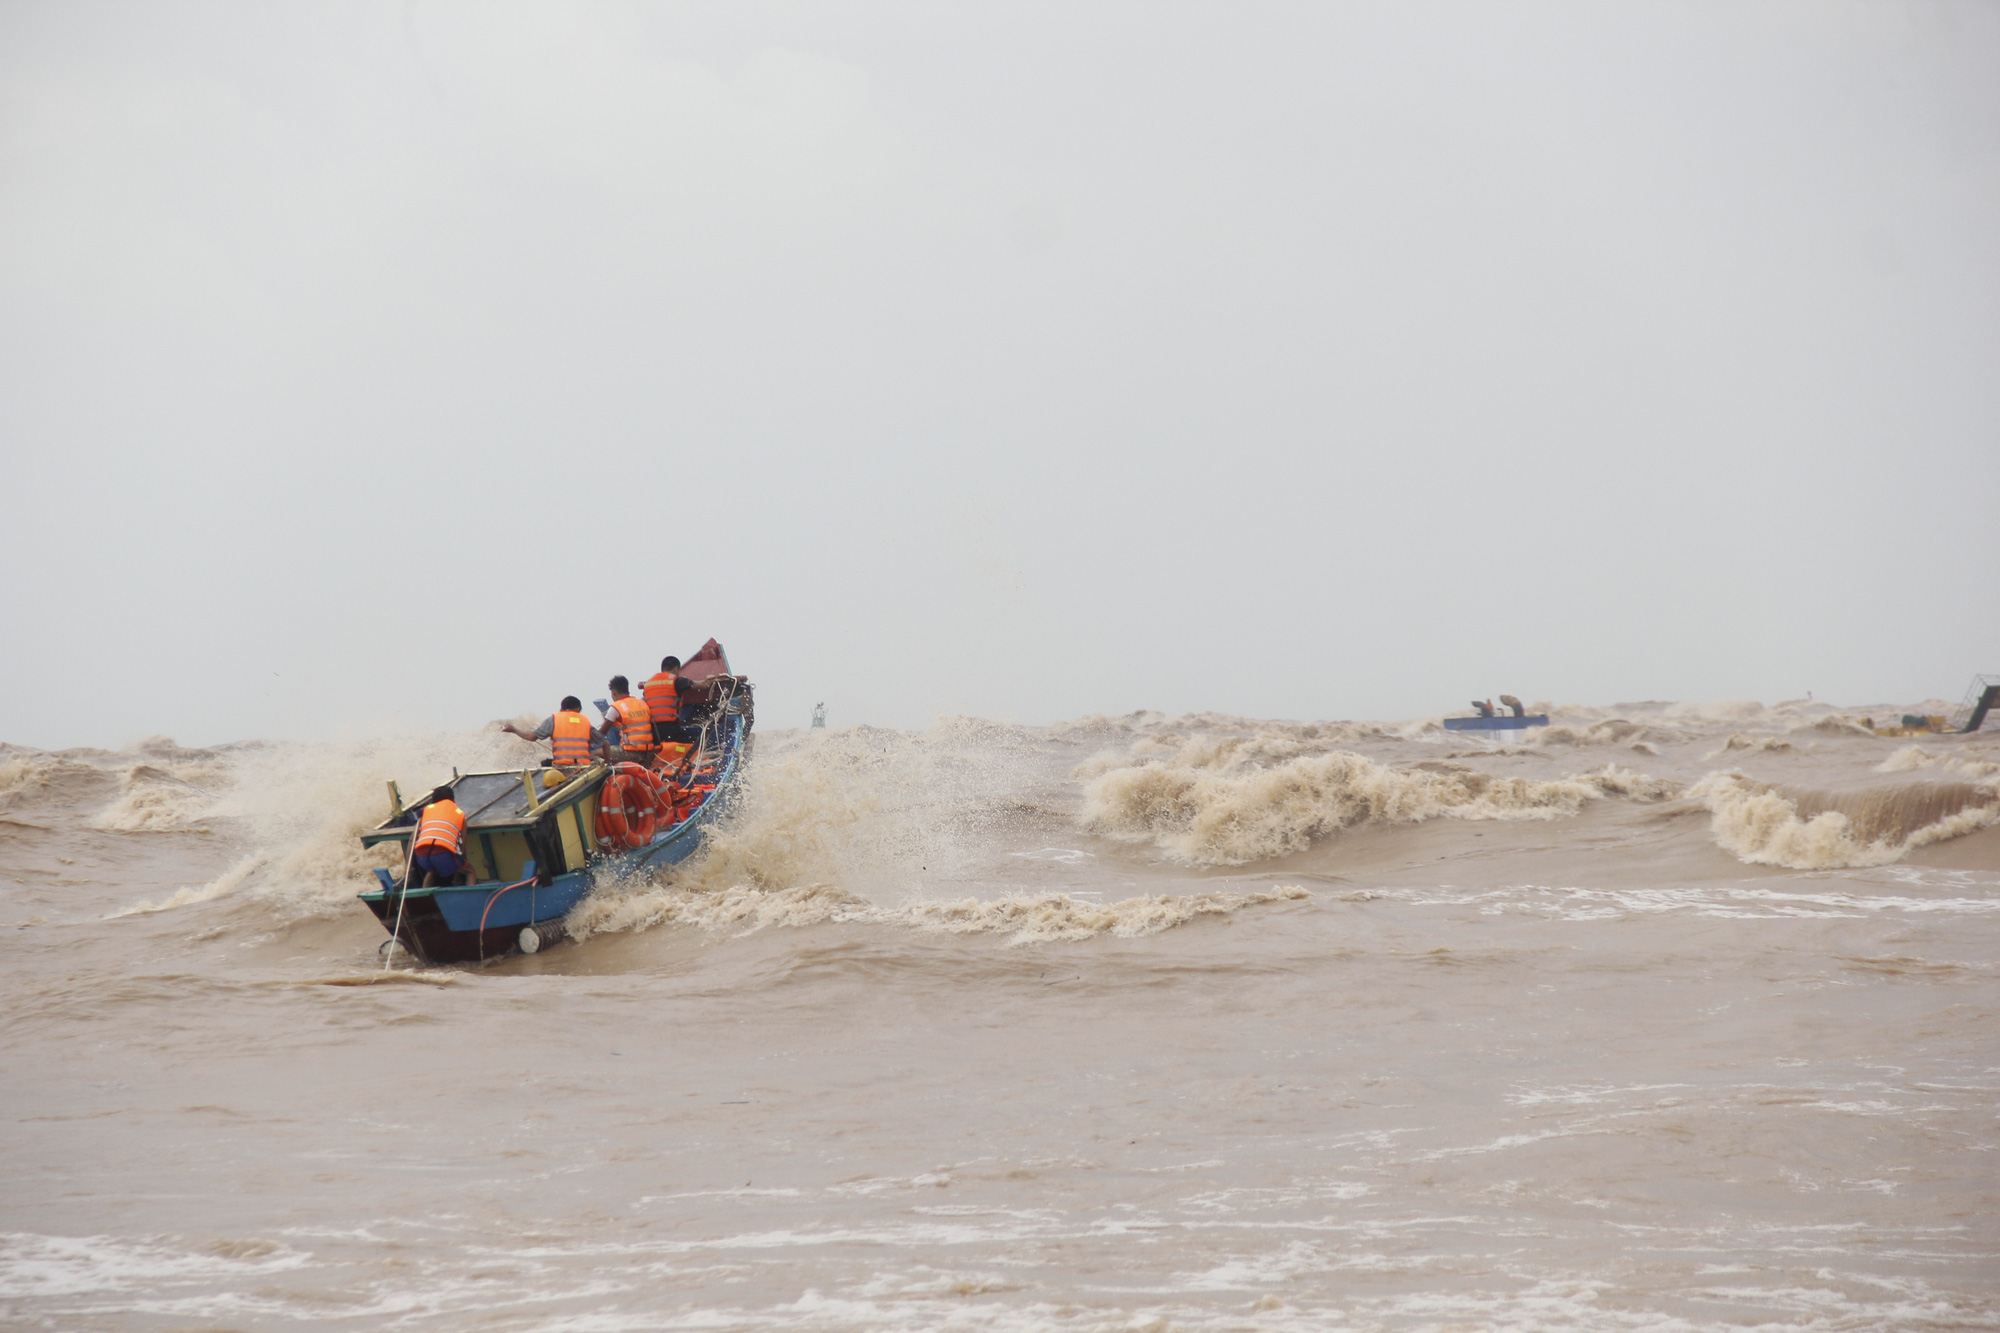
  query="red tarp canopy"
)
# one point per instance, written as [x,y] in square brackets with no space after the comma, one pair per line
[707,663]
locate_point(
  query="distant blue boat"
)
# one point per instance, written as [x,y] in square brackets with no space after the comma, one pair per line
[1490,719]
[1502,722]
[536,850]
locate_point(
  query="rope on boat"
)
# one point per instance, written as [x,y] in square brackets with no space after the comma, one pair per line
[403,895]
[396,935]
[491,899]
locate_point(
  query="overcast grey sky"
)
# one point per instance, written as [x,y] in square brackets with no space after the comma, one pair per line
[372,367]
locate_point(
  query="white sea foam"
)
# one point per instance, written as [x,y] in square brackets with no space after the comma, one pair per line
[42,1266]
[1022,918]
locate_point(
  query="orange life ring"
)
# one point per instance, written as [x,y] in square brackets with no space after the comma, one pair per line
[628,809]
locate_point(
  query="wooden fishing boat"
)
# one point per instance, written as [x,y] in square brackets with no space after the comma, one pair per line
[538,839]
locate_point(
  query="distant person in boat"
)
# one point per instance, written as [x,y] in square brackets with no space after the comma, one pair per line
[663,700]
[441,842]
[634,726]
[1483,709]
[569,733]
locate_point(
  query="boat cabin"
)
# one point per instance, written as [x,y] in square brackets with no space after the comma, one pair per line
[516,824]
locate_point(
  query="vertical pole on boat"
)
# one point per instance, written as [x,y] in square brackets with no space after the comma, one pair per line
[402,894]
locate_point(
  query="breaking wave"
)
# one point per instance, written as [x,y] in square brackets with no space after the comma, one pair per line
[36,777]
[1913,757]
[1835,726]
[160,799]
[1204,807]
[1611,731]
[1753,744]
[1815,830]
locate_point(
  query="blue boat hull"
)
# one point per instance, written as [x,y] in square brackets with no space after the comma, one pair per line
[1507,723]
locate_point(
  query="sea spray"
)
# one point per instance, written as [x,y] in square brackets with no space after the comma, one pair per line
[899,813]
[296,811]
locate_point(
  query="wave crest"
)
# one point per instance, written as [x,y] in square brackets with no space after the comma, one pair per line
[154,799]
[1202,816]
[1813,830]
[1753,744]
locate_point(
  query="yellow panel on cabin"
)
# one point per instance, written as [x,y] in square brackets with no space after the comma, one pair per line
[572,840]
[510,850]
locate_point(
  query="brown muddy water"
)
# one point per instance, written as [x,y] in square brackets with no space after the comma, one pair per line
[1675,1017]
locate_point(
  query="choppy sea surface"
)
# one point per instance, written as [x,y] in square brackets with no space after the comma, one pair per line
[1664,1017]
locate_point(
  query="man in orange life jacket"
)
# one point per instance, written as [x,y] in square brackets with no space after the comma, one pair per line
[440,842]
[632,723]
[663,700]
[568,732]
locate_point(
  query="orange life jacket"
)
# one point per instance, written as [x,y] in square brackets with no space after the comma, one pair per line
[571,739]
[443,825]
[662,698]
[635,725]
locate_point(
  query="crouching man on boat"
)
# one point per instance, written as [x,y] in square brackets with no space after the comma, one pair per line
[440,851]
[568,732]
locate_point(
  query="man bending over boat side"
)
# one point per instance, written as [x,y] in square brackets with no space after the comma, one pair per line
[440,851]
[569,733]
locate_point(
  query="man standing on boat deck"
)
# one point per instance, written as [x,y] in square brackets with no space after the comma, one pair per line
[634,723]
[568,732]
[663,700]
